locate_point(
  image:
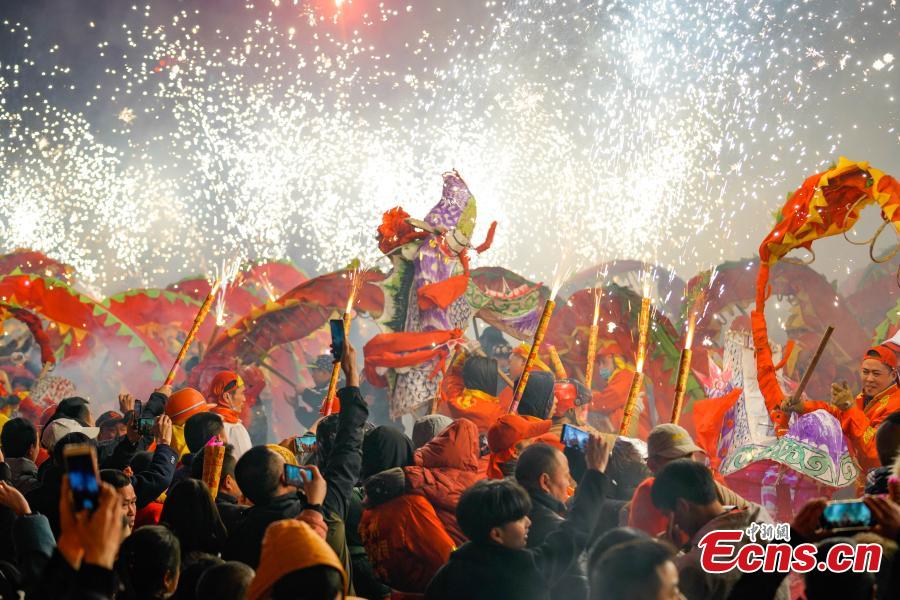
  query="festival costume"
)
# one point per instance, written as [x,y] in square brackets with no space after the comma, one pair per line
[478,406]
[611,400]
[861,420]
[235,431]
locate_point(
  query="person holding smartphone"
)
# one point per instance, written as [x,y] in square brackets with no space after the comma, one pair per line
[260,476]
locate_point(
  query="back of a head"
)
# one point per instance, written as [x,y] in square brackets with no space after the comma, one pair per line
[200,428]
[115,478]
[141,460]
[491,503]
[193,566]
[228,464]
[537,397]
[74,407]
[191,514]
[258,473]
[385,448]
[627,469]
[613,537]
[429,427]
[684,479]
[887,439]
[17,437]
[313,583]
[849,585]
[629,571]
[480,373]
[227,581]
[76,437]
[147,558]
[534,461]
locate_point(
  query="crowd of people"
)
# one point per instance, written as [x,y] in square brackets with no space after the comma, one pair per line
[472,505]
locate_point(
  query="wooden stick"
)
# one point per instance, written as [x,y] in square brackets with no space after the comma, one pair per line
[815,361]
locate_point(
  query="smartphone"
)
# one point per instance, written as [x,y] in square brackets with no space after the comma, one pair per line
[337,338]
[145,425]
[846,515]
[138,409]
[81,467]
[572,437]
[306,441]
[293,475]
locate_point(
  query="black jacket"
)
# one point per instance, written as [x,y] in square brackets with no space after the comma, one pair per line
[155,479]
[546,517]
[245,539]
[489,571]
[229,509]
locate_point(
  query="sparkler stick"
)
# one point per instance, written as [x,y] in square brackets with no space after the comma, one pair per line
[592,341]
[638,379]
[558,366]
[198,320]
[355,282]
[684,367]
[559,277]
[532,354]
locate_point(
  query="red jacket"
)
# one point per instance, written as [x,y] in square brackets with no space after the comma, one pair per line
[444,468]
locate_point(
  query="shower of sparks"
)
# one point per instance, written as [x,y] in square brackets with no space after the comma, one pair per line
[224,276]
[624,126]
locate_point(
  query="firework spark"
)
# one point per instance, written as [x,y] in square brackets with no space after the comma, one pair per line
[632,126]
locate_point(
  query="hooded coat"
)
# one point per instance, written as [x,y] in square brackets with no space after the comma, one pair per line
[444,468]
[404,538]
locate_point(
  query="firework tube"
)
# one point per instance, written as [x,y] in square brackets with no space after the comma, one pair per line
[643,327]
[592,340]
[557,363]
[684,366]
[628,416]
[532,354]
[198,320]
[591,355]
[213,457]
[336,368]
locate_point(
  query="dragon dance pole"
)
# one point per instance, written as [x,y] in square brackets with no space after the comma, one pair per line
[638,379]
[355,280]
[684,367]
[192,333]
[558,367]
[532,353]
[592,341]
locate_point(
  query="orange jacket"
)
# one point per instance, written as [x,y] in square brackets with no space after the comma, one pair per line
[405,541]
[861,421]
[444,468]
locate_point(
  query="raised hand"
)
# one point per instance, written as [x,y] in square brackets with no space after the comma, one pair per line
[841,396]
[596,455]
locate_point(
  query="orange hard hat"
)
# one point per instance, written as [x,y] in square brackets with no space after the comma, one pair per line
[184,404]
